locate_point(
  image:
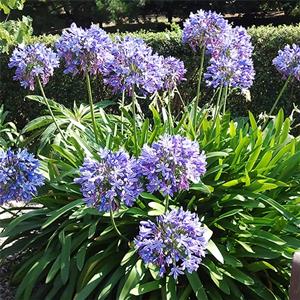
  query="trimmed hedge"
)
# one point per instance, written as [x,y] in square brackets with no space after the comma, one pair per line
[65,89]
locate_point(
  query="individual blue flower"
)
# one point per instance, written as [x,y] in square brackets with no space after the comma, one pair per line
[33,61]
[135,67]
[175,71]
[175,243]
[85,50]
[231,63]
[110,182]
[170,164]
[19,176]
[288,61]
[204,29]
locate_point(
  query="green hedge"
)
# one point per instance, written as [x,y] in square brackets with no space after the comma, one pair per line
[65,89]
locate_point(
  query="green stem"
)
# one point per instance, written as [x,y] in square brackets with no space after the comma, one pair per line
[171,125]
[49,108]
[218,104]
[122,114]
[167,203]
[115,226]
[134,123]
[280,95]
[90,96]
[225,95]
[276,101]
[196,103]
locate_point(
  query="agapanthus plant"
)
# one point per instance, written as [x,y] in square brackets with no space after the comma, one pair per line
[171,163]
[287,62]
[175,243]
[110,181]
[85,50]
[32,62]
[19,176]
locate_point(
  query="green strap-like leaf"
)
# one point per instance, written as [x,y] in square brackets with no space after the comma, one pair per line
[197,286]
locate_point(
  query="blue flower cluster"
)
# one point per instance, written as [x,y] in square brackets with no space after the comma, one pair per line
[85,50]
[135,67]
[19,176]
[174,72]
[107,183]
[204,29]
[170,163]
[232,65]
[32,61]
[230,49]
[288,61]
[175,243]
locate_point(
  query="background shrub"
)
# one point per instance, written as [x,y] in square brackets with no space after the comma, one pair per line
[64,89]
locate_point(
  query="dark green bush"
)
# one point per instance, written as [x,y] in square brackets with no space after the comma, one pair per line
[268,82]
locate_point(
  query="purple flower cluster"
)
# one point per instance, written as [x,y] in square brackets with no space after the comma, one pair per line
[231,64]
[288,61]
[107,183]
[169,164]
[85,50]
[19,176]
[175,243]
[204,29]
[33,61]
[135,67]
[174,72]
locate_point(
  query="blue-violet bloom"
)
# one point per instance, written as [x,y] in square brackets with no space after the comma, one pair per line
[204,29]
[169,164]
[288,61]
[109,182]
[231,64]
[135,67]
[175,71]
[33,61]
[85,50]
[175,243]
[19,176]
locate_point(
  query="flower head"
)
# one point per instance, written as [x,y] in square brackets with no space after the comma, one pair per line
[33,61]
[174,70]
[204,29]
[135,67]
[169,164]
[112,180]
[288,61]
[231,62]
[19,176]
[175,243]
[85,50]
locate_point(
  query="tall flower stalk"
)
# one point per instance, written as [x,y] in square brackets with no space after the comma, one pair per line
[280,94]
[90,96]
[200,73]
[50,109]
